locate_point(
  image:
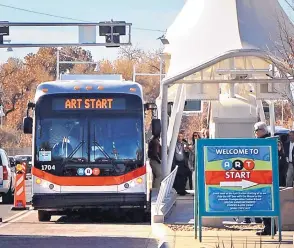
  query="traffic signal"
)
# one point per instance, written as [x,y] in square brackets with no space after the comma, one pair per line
[112,33]
[4,31]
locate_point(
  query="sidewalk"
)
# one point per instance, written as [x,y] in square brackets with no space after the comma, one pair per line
[185,239]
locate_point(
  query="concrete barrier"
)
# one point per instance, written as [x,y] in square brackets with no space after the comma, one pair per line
[165,207]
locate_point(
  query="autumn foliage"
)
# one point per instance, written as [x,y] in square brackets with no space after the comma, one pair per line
[19,79]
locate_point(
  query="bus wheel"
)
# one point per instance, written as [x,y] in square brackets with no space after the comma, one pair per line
[44,215]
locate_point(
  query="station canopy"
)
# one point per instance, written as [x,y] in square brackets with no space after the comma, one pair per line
[213,40]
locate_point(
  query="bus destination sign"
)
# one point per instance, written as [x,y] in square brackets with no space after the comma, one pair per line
[89,104]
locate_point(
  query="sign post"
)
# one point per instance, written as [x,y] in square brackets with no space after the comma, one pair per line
[238,177]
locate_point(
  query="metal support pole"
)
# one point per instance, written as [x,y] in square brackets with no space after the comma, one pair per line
[57,65]
[164,123]
[174,113]
[160,73]
[176,128]
[134,73]
[282,113]
[232,90]
[272,117]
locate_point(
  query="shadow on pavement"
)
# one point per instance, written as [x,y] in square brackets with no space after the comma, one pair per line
[74,242]
[130,217]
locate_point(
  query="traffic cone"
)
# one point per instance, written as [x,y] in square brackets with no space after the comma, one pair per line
[20,188]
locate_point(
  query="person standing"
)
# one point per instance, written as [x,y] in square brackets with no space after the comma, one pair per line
[154,154]
[283,165]
[191,160]
[204,133]
[261,132]
[289,152]
[181,157]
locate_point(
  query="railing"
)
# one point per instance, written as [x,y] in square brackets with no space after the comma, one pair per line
[165,189]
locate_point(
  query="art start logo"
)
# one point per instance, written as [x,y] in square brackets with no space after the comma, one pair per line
[238,168]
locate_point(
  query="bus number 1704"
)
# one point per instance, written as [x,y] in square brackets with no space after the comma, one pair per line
[48,167]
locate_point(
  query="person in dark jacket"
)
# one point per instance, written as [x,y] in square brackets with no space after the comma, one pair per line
[283,165]
[154,154]
[261,132]
[289,151]
[191,161]
[181,157]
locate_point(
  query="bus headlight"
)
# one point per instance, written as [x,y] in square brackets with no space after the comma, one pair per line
[139,180]
[38,181]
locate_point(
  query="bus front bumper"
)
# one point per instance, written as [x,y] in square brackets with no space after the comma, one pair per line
[88,200]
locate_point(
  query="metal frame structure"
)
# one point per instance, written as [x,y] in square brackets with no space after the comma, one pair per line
[58,62]
[80,25]
[171,127]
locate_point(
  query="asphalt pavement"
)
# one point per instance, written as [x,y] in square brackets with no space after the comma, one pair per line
[22,229]
[5,209]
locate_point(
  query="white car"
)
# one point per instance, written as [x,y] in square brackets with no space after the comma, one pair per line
[7,178]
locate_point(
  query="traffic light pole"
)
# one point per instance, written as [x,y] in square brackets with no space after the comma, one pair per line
[87,33]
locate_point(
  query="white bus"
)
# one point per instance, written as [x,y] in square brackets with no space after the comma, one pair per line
[88,146]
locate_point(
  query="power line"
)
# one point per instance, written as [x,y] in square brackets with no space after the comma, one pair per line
[67,18]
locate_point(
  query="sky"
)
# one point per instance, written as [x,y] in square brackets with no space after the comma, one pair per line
[156,15]
[151,14]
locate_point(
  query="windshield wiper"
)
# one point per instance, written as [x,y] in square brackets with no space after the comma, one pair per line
[73,152]
[102,150]
[81,144]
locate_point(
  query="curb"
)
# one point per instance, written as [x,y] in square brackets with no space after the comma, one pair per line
[164,234]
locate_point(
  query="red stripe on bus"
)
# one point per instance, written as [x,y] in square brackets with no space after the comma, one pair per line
[89,181]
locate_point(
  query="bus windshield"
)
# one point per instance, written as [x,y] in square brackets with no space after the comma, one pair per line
[80,138]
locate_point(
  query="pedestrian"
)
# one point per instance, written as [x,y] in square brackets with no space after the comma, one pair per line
[283,164]
[192,156]
[289,151]
[180,159]
[261,132]
[154,154]
[204,133]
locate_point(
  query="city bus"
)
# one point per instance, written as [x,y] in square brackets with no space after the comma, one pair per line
[88,143]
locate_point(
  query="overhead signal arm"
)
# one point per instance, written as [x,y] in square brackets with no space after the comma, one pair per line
[112,31]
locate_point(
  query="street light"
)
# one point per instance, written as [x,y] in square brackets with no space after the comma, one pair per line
[163,40]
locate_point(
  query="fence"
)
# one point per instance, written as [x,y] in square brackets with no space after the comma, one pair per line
[18,151]
[165,189]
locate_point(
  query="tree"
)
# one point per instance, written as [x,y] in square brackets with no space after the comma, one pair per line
[285,48]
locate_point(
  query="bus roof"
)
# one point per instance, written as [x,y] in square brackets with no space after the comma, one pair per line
[88,86]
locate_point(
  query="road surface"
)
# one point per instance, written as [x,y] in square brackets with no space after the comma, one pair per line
[22,229]
[5,209]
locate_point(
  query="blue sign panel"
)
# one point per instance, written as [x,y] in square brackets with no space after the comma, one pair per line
[237,177]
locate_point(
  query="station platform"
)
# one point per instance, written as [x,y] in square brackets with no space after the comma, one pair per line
[179,230]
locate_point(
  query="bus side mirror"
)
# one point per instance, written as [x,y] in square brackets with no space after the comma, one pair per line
[28,125]
[156,127]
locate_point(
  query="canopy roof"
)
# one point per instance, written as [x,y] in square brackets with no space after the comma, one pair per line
[207,34]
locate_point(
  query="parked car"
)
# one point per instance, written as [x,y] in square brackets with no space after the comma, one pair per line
[7,178]
[27,159]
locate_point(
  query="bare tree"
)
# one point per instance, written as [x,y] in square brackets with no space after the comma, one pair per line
[285,48]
